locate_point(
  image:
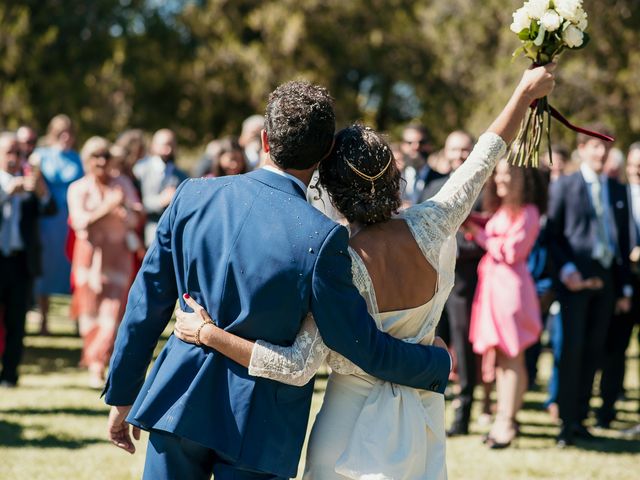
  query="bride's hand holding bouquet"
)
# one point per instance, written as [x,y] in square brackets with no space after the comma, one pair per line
[546,28]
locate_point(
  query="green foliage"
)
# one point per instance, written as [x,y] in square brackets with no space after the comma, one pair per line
[202,67]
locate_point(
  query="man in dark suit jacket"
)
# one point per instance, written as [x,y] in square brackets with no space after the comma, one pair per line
[457,148]
[588,228]
[621,328]
[23,199]
[258,257]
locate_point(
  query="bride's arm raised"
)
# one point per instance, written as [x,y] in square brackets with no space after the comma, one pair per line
[457,196]
[293,365]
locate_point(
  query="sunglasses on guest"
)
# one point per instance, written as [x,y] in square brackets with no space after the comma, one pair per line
[106,155]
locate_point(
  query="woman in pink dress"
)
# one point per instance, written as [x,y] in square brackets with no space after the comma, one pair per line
[505,317]
[103,209]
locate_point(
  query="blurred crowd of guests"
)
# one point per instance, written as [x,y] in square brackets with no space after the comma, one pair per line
[554,249]
[80,223]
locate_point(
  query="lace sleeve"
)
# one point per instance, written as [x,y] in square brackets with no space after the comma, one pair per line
[293,365]
[452,204]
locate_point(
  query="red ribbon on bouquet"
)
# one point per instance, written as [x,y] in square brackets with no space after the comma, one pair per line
[558,116]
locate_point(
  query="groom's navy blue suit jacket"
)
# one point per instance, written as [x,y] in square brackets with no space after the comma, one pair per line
[258,257]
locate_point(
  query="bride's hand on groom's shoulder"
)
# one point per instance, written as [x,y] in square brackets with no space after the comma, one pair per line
[189,323]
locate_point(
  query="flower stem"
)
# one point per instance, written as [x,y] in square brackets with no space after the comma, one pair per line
[548,110]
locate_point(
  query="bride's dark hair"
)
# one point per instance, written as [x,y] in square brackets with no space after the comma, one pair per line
[360,152]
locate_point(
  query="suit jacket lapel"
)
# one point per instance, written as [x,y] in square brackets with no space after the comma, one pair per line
[278,182]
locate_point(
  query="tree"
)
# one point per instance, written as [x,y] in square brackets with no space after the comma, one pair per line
[202,67]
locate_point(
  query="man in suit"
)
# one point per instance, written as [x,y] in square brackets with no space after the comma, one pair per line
[588,228]
[457,148]
[416,147]
[613,368]
[23,199]
[258,257]
[27,141]
[159,178]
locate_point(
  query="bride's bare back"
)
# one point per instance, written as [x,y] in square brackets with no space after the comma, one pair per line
[402,277]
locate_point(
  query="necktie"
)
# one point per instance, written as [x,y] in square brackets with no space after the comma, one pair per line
[602,251]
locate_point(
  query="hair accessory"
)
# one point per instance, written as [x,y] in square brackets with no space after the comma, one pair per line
[369,177]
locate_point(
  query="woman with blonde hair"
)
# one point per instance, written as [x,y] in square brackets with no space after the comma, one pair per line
[103,209]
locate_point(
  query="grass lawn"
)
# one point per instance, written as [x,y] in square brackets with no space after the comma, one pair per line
[54,427]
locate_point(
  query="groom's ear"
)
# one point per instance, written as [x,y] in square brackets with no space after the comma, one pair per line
[265,141]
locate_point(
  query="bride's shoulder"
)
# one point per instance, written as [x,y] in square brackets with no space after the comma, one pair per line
[414,209]
[427,211]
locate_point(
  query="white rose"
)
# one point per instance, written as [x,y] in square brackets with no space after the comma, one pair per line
[521,20]
[551,21]
[582,22]
[536,8]
[572,36]
[568,9]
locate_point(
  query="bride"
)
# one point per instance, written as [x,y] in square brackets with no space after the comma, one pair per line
[403,265]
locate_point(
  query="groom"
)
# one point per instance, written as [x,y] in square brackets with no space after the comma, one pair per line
[258,257]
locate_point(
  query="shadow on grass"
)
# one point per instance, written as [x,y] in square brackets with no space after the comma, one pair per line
[611,445]
[543,435]
[91,412]
[533,405]
[56,334]
[601,444]
[11,436]
[46,359]
[58,386]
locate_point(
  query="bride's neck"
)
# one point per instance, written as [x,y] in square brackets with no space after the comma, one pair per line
[355,228]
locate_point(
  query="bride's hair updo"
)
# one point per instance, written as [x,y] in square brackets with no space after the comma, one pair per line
[361,176]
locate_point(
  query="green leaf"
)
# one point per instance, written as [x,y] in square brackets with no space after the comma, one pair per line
[518,51]
[524,34]
[533,31]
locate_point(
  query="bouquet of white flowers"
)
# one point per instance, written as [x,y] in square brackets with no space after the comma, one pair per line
[546,28]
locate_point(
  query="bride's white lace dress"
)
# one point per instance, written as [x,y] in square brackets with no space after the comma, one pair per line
[367,428]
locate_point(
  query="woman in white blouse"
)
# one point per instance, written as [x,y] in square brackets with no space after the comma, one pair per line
[403,265]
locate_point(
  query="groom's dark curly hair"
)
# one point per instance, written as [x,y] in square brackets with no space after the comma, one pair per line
[300,124]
